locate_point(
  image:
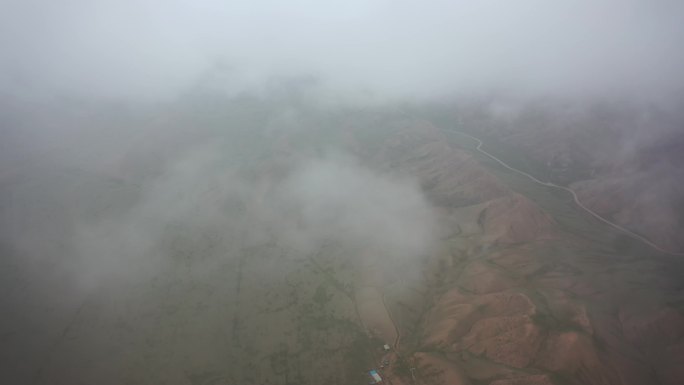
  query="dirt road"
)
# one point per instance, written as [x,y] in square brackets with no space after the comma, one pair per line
[574,196]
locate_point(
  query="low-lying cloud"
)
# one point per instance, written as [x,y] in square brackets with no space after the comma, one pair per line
[203,210]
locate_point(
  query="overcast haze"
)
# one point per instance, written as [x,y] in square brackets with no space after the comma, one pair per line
[376,49]
[267,191]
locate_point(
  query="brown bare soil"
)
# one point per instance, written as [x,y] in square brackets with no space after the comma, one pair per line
[516,286]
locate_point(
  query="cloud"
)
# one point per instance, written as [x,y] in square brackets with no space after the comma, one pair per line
[337,200]
[153,49]
[202,209]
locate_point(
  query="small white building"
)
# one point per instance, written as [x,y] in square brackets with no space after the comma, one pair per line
[376,376]
[386,347]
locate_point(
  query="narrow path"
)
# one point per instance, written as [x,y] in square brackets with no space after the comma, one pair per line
[394,355]
[574,196]
[376,316]
[397,340]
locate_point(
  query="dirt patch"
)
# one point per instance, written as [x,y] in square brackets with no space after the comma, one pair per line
[434,369]
[374,315]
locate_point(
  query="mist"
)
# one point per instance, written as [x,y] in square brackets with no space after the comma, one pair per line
[198,192]
[198,202]
[404,49]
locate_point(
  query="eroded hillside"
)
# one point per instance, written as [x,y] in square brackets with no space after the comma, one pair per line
[268,244]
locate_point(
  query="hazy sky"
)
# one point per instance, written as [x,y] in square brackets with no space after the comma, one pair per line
[154,48]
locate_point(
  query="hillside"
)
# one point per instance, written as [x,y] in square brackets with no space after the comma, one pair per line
[264,243]
[622,157]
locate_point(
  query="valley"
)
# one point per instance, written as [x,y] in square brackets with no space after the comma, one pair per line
[294,266]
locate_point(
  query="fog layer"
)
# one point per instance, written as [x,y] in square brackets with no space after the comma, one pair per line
[368,49]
